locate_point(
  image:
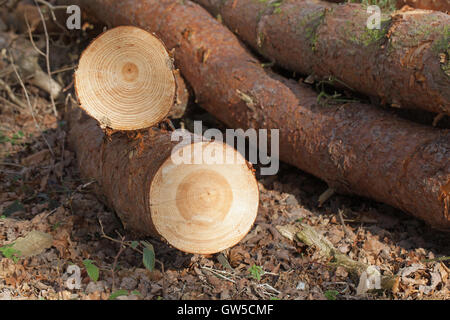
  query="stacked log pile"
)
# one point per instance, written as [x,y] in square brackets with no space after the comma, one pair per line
[355,148]
[125,81]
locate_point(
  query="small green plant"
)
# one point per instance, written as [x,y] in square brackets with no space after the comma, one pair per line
[10,253]
[120,293]
[92,270]
[148,256]
[117,294]
[331,294]
[15,139]
[56,226]
[256,272]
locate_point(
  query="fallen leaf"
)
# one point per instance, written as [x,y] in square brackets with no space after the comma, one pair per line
[33,244]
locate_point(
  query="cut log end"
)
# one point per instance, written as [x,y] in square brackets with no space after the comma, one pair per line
[125,79]
[204,208]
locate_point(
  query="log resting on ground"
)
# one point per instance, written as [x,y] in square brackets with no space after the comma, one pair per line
[197,208]
[406,63]
[438,5]
[355,148]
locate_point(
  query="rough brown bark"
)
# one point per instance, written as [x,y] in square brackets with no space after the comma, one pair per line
[135,178]
[438,5]
[405,63]
[355,148]
[182,97]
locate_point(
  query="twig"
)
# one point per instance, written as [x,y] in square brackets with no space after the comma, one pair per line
[436,259]
[13,105]
[126,243]
[11,165]
[69,68]
[438,118]
[11,95]
[341,218]
[47,56]
[325,196]
[116,259]
[30,36]
[52,12]
[310,237]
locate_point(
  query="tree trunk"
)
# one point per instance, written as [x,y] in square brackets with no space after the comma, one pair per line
[405,63]
[197,208]
[354,147]
[125,80]
[438,5]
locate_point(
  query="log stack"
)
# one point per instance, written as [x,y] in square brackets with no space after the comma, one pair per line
[356,148]
[125,82]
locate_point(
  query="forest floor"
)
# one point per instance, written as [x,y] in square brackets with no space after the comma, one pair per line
[41,190]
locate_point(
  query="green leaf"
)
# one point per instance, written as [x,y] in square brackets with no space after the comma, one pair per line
[16,206]
[92,270]
[331,294]
[256,272]
[10,253]
[117,294]
[134,244]
[148,258]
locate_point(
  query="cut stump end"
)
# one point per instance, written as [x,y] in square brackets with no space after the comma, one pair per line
[204,207]
[125,79]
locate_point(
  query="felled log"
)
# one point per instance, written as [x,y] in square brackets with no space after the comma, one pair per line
[438,5]
[406,63]
[125,79]
[355,148]
[197,208]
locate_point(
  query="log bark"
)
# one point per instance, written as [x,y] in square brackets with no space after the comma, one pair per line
[125,79]
[197,208]
[179,108]
[405,63]
[438,5]
[355,148]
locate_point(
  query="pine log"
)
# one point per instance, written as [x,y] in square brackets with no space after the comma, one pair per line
[197,208]
[406,63]
[355,148]
[438,5]
[125,79]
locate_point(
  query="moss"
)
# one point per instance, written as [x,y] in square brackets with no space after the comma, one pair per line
[387,6]
[309,25]
[368,36]
[442,49]
[419,31]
